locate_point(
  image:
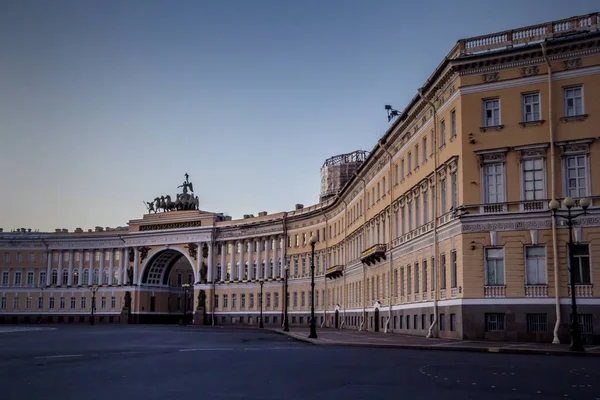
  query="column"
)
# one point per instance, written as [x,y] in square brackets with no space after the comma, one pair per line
[60,265]
[250,264]
[283,243]
[101,268]
[198,267]
[223,261]
[49,267]
[91,274]
[232,262]
[266,258]
[111,266]
[80,273]
[70,281]
[210,273]
[136,259]
[259,269]
[275,271]
[121,264]
[242,250]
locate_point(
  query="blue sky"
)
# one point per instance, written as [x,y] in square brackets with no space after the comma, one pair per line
[105,104]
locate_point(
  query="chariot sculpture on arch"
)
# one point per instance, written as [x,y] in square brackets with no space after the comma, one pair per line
[183,201]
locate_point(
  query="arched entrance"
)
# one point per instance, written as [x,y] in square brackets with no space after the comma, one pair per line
[165,296]
[376,322]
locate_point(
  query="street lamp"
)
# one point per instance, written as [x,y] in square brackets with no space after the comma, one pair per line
[554,205]
[94,289]
[262,282]
[286,325]
[185,287]
[313,327]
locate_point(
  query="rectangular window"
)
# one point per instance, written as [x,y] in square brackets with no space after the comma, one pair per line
[83,302]
[494,266]
[410,217]
[233,301]
[425,208]
[402,281]
[225,305]
[424,275]
[586,324]
[19,257]
[432,145]
[442,322]
[72,302]
[533,176]
[494,322]
[443,197]
[452,124]
[531,107]
[396,174]
[573,101]
[216,300]
[576,176]
[276,300]
[442,133]
[16,302]
[452,322]
[443,271]
[5,278]
[537,323]
[28,303]
[31,257]
[402,169]
[417,212]
[6,257]
[51,304]
[417,276]
[424,147]
[535,265]
[409,162]
[103,302]
[408,279]
[416,156]
[453,191]
[491,112]
[30,278]
[494,183]
[579,262]
[453,269]
[3,303]
[17,278]
[415,322]
[113,302]
[243,302]
[40,302]
[61,303]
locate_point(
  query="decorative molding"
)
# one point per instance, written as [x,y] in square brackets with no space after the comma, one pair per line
[534,236]
[493,238]
[572,63]
[490,156]
[530,70]
[171,225]
[575,147]
[491,77]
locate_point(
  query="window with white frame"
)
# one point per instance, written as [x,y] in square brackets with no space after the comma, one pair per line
[494,266]
[410,219]
[533,179]
[424,146]
[425,210]
[535,264]
[452,124]
[453,190]
[494,182]
[409,162]
[402,169]
[417,213]
[579,263]
[491,112]
[51,303]
[531,107]
[3,303]
[5,278]
[16,302]
[18,278]
[31,257]
[28,303]
[443,196]
[7,257]
[576,175]
[416,156]
[40,302]
[42,277]
[30,278]
[83,302]
[72,302]
[19,257]
[442,133]
[573,101]
[397,178]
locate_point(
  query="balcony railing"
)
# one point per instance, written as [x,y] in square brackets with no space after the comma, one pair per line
[454,292]
[373,254]
[536,290]
[535,205]
[334,272]
[529,34]
[442,294]
[494,208]
[494,291]
[582,290]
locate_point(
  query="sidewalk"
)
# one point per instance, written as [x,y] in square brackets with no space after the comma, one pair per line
[346,337]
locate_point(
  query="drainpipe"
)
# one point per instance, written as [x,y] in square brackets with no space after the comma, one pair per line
[431,333]
[363,295]
[389,318]
[555,340]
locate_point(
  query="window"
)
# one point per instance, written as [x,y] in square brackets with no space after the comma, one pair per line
[19,257]
[31,257]
[537,323]
[65,277]
[383,185]
[415,322]
[18,278]
[83,302]
[28,303]
[573,101]
[95,277]
[535,265]
[397,178]
[531,107]
[424,147]
[6,257]
[72,302]
[42,277]
[432,143]
[494,322]
[417,213]
[576,175]
[579,262]
[416,156]
[276,300]
[424,275]
[3,303]
[233,301]
[5,278]
[216,300]
[408,279]
[453,191]
[452,322]
[442,322]
[103,302]
[243,302]
[16,302]
[61,303]
[54,277]
[442,133]
[417,277]
[30,278]
[225,305]
[51,304]
[586,324]
[40,302]
[533,175]
[443,197]
[425,208]
[452,124]
[402,169]
[410,217]
[443,271]
[491,112]
[86,276]
[453,269]
[494,183]
[494,266]
[378,191]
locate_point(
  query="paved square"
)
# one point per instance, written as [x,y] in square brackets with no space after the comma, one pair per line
[168,362]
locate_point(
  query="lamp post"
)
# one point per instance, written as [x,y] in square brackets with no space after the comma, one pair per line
[313,326]
[185,287]
[94,289]
[286,325]
[261,281]
[576,344]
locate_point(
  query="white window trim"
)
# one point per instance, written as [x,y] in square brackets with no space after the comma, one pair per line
[539,105]
[545,260]
[564,96]
[485,263]
[491,157]
[483,109]
[590,263]
[576,148]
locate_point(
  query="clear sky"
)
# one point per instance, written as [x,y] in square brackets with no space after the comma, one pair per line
[105,104]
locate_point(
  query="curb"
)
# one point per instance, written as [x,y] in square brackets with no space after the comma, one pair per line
[497,350]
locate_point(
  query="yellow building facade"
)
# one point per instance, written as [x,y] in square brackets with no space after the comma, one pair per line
[444,230]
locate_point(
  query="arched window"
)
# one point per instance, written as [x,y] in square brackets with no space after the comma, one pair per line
[105,276]
[86,277]
[43,277]
[116,275]
[228,273]
[75,277]
[95,276]
[65,277]
[54,277]
[218,272]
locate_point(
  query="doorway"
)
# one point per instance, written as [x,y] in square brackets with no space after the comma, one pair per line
[376,322]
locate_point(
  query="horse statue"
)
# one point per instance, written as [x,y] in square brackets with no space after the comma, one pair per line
[169,205]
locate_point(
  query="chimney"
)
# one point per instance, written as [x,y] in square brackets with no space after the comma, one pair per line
[262,213]
[299,206]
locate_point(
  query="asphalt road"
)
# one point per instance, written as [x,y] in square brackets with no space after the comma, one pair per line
[169,362]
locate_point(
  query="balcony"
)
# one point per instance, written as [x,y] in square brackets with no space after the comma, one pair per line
[454,292]
[443,294]
[582,290]
[536,290]
[334,272]
[373,254]
[494,291]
